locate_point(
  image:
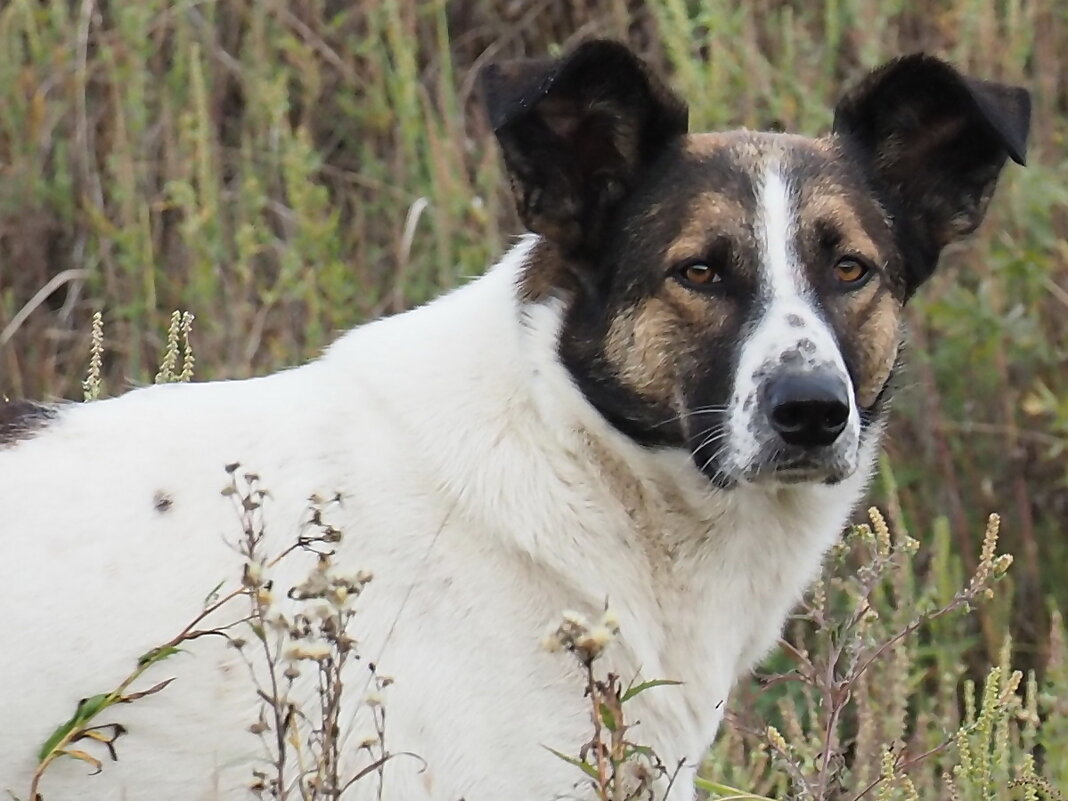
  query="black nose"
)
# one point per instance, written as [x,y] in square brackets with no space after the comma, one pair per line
[807,409]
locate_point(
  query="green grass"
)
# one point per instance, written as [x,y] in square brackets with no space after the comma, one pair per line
[286,170]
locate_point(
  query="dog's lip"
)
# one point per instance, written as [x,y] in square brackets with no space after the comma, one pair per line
[800,470]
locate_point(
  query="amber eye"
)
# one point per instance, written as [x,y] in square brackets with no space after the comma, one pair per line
[851,272]
[699,274]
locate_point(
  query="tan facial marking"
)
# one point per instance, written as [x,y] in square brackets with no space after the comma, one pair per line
[640,348]
[833,209]
[877,331]
[711,214]
[648,346]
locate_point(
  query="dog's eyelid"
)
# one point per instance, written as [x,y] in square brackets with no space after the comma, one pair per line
[853,271]
[718,254]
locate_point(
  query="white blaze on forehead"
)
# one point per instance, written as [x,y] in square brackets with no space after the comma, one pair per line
[779,275]
[790,332]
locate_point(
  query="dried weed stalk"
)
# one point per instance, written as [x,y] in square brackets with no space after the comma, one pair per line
[848,737]
[302,738]
[303,745]
[619,769]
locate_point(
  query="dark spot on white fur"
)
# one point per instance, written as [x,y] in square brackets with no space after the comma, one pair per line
[795,320]
[162,501]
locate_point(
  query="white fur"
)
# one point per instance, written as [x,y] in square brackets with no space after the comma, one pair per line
[484,493]
[786,294]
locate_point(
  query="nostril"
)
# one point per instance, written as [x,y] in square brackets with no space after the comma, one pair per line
[808,410]
[788,416]
[836,416]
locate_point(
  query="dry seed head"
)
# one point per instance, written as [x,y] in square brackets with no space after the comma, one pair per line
[882,532]
[313,652]
[1001,565]
[259,727]
[167,367]
[91,385]
[990,538]
[886,773]
[777,741]
[1008,695]
[951,787]
[819,595]
[253,575]
[573,618]
[188,360]
[575,634]
[863,532]
[339,595]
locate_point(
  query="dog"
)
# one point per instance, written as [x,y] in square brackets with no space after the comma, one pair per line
[666,397]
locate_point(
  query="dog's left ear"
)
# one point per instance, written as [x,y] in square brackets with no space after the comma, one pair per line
[574,133]
[934,142]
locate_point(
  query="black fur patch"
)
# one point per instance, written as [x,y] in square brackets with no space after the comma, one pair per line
[21,419]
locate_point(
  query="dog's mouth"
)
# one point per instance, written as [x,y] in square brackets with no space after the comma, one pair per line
[803,471]
[827,466]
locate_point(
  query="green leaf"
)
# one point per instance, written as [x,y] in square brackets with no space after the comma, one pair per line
[157,655]
[87,709]
[646,685]
[213,596]
[585,767]
[607,718]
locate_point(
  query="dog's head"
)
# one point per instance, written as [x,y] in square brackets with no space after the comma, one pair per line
[740,294]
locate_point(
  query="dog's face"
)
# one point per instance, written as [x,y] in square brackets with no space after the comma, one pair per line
[740,294]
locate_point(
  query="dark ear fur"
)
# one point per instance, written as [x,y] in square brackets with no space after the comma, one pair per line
[934,142]
[574,132]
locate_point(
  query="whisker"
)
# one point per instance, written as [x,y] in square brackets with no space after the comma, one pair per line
[720,437]
[692,413]
[715,455]
[717,436]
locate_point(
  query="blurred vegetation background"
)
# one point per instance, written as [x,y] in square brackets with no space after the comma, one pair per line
[285,169]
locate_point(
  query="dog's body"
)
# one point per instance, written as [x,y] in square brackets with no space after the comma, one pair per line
[519,447]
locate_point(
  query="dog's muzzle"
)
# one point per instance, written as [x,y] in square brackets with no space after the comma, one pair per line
[805,429]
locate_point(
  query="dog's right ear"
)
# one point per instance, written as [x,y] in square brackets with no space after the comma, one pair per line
[574,132]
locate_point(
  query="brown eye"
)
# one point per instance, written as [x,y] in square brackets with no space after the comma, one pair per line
[851,273]
[700,274]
